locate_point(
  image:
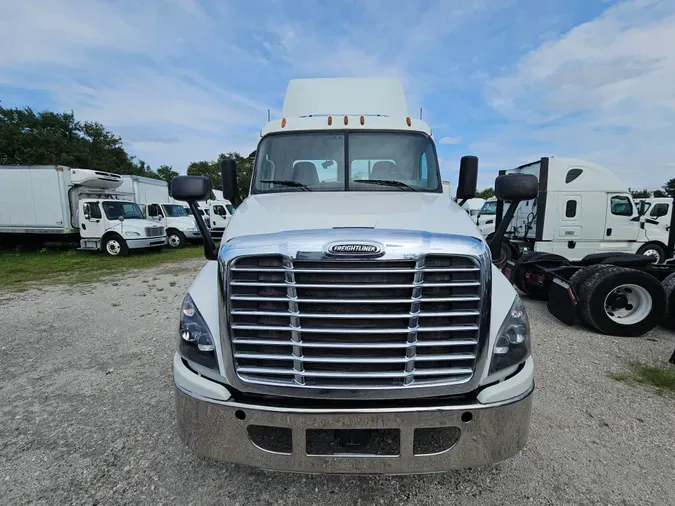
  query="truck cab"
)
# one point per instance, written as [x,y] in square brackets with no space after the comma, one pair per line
[582,208]
[116,226]
[180,227]
[220,213]
[352,319]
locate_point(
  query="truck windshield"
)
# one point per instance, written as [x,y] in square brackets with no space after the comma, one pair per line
[489,208]
[174,211]
[128,210]
[346,161]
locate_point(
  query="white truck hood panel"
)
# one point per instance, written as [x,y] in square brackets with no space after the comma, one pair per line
[397,210]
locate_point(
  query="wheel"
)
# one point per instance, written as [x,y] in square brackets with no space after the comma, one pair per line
[524,276]
[115,246]
[622,302]
[580,277]
[653,250]
[176,239]
[669,287]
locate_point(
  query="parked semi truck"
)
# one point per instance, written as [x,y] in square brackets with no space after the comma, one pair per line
[153,197]
[581,208]
[53,203]
[343,326]
[657,210]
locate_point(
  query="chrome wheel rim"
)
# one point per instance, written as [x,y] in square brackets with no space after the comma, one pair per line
[628,304]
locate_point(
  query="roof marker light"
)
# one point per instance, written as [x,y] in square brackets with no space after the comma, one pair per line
[363,120]
[408,121]
[330,120]
[283,122]
[346,120]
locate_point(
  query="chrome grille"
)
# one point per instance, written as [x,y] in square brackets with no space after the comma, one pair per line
[345,324]
[154,231]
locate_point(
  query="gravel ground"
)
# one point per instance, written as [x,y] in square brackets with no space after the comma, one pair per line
[87,415]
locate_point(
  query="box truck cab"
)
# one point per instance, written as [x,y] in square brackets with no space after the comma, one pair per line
[116,226]
[352,320]
[220,212]
[582,208]
[179,225]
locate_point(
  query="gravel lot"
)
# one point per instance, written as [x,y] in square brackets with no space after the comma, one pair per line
[87,415]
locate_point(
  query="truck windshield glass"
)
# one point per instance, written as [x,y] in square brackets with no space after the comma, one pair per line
[377,161]
[489,208]
[174,211]
[128,210]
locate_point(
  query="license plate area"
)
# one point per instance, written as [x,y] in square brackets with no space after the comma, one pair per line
[358,442]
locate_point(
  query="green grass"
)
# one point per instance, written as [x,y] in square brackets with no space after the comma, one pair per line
[660,377]
[24,270]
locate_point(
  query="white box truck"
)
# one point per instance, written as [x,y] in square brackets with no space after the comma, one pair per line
[53,202]
[352,320]
[153,197]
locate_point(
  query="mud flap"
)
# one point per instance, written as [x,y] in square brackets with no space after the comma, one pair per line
[562,301]
[508,270]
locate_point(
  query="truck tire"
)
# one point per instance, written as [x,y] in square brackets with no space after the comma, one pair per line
[534,291]
[175,239]
[115,246]
[669,287]
[580,277]
[653,250]
[622,302]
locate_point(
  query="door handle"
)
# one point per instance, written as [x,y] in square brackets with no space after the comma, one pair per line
[609,232]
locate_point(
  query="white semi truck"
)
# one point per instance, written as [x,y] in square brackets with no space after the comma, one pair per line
[53,203]
[352,320]
[582,208]
[153,197]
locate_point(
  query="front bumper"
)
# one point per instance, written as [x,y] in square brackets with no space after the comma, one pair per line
[146,242]
[483,434]
[193,235]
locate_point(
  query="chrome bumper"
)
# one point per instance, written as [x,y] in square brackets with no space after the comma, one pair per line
[220,430]
[150,242]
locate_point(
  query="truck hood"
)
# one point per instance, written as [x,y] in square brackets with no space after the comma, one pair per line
[395,210]
[181,222]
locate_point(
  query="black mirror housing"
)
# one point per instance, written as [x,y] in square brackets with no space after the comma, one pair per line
[516,187]
[468,178]
[190,188]
[228,173]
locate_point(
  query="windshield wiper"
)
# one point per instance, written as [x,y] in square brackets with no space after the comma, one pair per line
[293,184]
[388,182]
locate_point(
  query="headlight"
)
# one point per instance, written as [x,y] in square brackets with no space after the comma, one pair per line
[512,346]
[132,234]
[193,230]
[195,340]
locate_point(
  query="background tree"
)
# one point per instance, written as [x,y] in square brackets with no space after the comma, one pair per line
[659,194]
[486,193]
[669,188]
[640,194]
[48,138]
[211,170]
[166,173]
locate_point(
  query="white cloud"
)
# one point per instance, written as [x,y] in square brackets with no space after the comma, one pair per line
[602,91]
[450,140]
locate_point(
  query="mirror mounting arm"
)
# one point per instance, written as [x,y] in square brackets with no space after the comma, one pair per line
[210,251]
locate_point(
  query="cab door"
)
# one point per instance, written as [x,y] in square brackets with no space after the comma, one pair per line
[619,224]
[155,214]
[92,224]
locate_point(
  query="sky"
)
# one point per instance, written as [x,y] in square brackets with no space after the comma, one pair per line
[509,81]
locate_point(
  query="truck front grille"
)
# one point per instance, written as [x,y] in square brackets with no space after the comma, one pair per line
[343,324]
[154,231]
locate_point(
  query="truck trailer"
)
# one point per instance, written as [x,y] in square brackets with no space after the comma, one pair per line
[54,203]
[352,319]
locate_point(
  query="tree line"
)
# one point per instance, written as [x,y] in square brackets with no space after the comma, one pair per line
[48,138]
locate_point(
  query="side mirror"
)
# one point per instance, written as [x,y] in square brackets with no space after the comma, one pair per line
[468,178]
[516,187]
[228,173]
[190,188]
[121,218]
